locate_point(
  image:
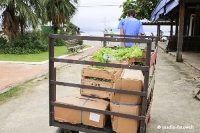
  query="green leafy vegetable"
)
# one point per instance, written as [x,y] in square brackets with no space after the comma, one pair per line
[119,53]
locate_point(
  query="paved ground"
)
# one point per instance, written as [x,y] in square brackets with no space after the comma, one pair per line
[17,73]
[23,71]
[173,103]
[190,58]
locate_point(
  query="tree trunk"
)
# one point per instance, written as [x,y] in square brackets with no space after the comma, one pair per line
[55,29]
[55,26]
[22,29]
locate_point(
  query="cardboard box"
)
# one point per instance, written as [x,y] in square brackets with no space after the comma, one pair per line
[130,80]
[77,116]
[125,125]
[112,74]
[96,93]
[74,93]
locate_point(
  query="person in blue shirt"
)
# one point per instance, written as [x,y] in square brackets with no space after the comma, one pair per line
[130,26]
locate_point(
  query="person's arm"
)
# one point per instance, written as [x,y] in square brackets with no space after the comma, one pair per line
[122,33]
[120,26]
[139,34]
[141,31]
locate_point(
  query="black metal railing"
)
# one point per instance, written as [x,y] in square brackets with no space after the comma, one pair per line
[53,82]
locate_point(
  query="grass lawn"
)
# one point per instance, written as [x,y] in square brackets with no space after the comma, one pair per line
[58,51]
[16,91]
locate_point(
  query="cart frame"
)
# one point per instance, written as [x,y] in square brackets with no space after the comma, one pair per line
[145,113]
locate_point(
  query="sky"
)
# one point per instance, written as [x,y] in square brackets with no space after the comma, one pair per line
[92,13]
[92,17]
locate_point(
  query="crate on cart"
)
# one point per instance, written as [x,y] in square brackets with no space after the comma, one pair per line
[146,93]
[101,78]
[130,61]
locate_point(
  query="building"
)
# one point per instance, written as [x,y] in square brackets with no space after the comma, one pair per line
[185,14]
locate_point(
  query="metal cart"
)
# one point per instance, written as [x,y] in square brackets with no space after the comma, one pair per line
[146,94]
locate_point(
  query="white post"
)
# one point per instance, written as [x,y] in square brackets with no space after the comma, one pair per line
[190,28]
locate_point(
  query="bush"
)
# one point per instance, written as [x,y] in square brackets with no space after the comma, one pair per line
[3,42]
[80,42]
[29,43]
[59,42]
[40,45]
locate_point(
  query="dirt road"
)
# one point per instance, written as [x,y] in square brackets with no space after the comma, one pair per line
[173,103]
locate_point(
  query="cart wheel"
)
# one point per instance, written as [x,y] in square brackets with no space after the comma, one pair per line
[138,131]
[59,130]
[70,131]
[145,128]
[149,119]
[75,131]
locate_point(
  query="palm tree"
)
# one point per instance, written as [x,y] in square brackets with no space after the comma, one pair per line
[18,13]
[60,11]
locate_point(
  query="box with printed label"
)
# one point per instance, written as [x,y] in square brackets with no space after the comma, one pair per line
[77,116]
[125,125]
[130,80]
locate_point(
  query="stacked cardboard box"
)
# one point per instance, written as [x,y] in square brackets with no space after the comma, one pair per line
[102,78]
[121,103]
[90,76]
[125,103]
[77,116]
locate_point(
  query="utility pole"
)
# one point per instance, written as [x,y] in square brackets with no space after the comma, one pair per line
[105,22]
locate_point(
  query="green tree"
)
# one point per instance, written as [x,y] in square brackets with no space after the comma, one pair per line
[71,28]
[143,8]
[18,13]
[59,11]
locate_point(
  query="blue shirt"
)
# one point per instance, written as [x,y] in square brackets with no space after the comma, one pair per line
[131,26]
